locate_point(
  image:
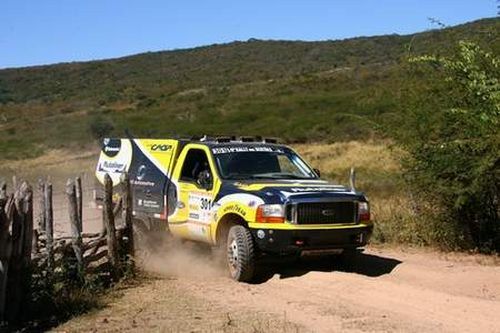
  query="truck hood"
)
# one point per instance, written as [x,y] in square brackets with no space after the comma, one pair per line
[284,191]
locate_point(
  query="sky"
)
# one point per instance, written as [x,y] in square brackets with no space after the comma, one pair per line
[35,32]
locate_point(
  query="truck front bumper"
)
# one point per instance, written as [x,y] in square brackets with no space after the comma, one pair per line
[295,240]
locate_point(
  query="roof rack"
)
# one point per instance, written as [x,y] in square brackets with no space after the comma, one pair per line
[233,138]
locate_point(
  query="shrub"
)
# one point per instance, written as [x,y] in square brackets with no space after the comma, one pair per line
[452,134]
[100,126]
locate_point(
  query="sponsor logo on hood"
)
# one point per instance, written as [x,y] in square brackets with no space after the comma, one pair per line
[316,189]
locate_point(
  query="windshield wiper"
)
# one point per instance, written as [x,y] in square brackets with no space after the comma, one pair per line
[270,175]
[239,176]
[279,175]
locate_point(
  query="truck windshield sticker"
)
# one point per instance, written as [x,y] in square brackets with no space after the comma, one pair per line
[244,149]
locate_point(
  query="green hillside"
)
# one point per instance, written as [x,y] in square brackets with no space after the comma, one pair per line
[299,91]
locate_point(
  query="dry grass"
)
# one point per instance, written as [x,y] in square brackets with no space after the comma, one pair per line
[338,157]
[377,166]
[57,165]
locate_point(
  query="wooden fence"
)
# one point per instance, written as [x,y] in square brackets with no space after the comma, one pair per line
[28,253]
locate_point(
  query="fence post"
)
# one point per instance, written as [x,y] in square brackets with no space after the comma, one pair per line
[41,205]
[26,270]
[127,213]
[79,202]
[18,282]
[34,242]
[49,227]
[109,222]
[14,183]
[6,206]
[3,193]
[76,236]
[27,208]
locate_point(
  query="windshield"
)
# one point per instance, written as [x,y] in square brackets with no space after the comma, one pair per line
[260,162]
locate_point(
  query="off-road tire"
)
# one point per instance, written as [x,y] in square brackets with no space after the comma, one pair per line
[240,254]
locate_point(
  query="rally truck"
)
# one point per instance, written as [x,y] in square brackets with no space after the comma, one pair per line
[251,197]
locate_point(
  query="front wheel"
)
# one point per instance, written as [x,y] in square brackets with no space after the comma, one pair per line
[240,254]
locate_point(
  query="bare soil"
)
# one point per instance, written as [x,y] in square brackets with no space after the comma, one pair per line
[392,290]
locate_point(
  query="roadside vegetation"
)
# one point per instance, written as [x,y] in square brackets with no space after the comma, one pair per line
[451,132]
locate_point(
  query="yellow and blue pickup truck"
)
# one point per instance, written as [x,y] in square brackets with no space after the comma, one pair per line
[251,197]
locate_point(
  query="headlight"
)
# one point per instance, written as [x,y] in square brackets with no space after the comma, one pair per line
[270,214]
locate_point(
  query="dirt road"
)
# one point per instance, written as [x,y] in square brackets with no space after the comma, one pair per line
[393,290]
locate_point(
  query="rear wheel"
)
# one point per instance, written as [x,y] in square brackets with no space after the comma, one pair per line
[240,254]
[149,234]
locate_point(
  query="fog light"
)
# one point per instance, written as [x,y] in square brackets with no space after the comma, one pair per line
[261,234]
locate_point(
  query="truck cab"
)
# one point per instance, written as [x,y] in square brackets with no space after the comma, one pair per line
[251,197]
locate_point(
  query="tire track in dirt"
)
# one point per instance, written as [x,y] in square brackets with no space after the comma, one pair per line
[391,291]
[417,292]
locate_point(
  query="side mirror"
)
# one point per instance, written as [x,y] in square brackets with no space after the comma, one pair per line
[317,172]
[205,180]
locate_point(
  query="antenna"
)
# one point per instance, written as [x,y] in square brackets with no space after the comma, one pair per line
[352,180]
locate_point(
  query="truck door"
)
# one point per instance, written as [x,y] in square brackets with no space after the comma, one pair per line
[195,196]
[150,173]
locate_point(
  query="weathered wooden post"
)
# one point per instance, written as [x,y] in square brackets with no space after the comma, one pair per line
[79,202]
[76,236]
[3,193]
[127,213]
[109,222]
[34,242]
[49,227]
[14,183]
[26,271]
[19,269]
[6,207]
[41,205]
[27,208]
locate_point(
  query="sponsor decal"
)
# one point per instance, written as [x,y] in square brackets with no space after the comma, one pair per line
[111,147]
[243,149]
[111,166]
[150,204]
[315,189]
[141,183]
[235,208]
[141,172]
[162,148]
[200,207]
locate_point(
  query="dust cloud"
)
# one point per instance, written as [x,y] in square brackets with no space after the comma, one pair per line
[176,258]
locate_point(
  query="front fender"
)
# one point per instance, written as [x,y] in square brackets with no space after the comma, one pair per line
[241,205]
